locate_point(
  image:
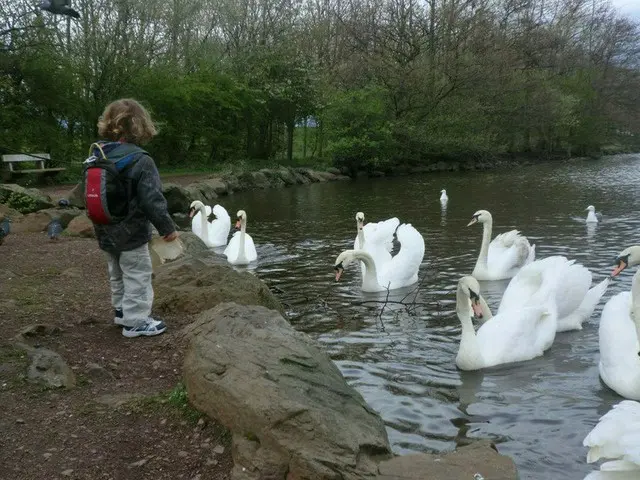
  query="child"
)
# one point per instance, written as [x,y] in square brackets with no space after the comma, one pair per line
[125,124]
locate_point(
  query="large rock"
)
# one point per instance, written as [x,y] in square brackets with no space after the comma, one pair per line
[81,226]
[192,285]
[38,221]
[204,190]
[275,180]
[25,200]
[287,176]
[478,458]
[291,413]
[178,198]
[219,185]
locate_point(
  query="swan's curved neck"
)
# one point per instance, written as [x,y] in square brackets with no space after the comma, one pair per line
[370,279]
[484,248]
[204,224]
[469,352]
[360,236]
[243,232]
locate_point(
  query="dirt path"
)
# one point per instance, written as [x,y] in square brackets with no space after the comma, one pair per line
[96,430]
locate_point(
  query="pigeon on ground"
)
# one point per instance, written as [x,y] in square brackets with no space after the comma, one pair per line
[5,229]
[63,203]
[54,229]
[59,7]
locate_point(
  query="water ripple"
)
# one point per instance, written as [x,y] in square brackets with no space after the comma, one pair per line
[403,362]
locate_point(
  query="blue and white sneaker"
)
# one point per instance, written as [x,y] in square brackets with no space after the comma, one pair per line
[149,328]
[117,317]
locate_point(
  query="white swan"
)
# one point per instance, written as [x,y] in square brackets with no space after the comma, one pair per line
[575,300]
[592,216]
[505,255]
[375,238]
[512,336]
[220,226]
[200,225]
[616,437]
[443,196]
[241,249]
[619,364]
[400,271]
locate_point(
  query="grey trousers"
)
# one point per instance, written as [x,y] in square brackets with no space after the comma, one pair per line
[131,289]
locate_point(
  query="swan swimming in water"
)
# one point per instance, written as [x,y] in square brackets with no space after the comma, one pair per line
[214,233]
[619,332]
[521,333]
[616,437]
[592,216]
[241,249]
[397,272]
[443,196]
[505,255]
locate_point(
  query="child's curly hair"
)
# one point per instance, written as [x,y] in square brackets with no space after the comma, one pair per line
[126,120]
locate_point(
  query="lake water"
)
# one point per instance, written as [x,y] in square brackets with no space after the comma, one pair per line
[401,359]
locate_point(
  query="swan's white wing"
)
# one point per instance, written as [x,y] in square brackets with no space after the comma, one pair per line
[219,228]
[508,251]
[195,221]
[598,475]
[250,248]
[617,437]
[402,270]
[516,335]
[233,247]
[383,232]
[526,283]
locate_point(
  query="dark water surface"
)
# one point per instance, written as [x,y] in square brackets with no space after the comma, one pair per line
[402,361]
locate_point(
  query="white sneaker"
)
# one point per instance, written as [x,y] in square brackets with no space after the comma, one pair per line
[149,328]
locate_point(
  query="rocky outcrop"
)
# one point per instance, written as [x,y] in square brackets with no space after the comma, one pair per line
[7,212]
[192,285]
[25,200]
[38,221]
[480,460]
[80,226]
[290,411]
[209,189]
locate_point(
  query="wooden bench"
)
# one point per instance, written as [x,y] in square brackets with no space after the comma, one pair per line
[38,158]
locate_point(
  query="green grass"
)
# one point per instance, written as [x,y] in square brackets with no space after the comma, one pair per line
[174,401]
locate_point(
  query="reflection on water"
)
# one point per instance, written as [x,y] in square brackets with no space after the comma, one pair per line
[401,359]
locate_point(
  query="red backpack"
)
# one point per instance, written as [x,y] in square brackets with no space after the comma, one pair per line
[107,190]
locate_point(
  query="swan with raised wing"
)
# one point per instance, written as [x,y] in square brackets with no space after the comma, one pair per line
[516,335]
[505,255]
[575,298]
[619,332]
[376,238]
[199,213]
[400,271]
[241,249]
[616,437]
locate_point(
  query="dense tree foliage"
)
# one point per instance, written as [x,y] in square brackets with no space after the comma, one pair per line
[359,83]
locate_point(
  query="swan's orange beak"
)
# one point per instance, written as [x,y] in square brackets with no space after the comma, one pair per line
[473,220]
[192,212]
[238,225]
[339,271]
[477,309]
[620,267]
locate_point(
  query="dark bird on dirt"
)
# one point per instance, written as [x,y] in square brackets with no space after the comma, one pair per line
[63,203]
[54,229]
[59,7]
[5,229]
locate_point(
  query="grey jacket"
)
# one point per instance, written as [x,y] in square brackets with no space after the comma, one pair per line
[147,205]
